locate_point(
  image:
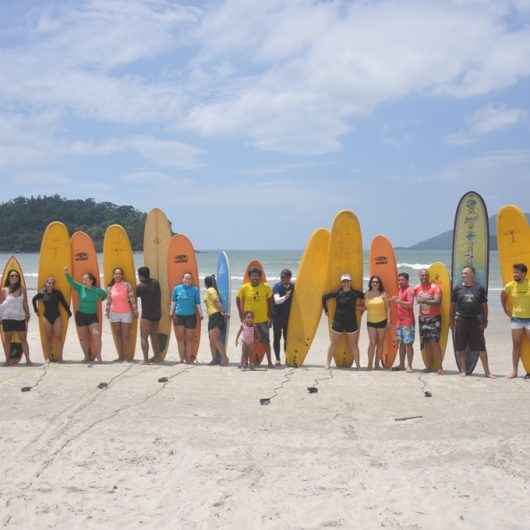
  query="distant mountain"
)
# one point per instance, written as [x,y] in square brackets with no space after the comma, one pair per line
[444,241]
[23,220]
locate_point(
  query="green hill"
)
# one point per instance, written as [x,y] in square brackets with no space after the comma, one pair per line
[444,241]
[23,220]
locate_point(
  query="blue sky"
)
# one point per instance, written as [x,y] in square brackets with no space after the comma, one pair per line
[251,123]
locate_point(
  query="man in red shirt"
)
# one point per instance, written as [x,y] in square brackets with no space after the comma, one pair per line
[405,330]
[429,299]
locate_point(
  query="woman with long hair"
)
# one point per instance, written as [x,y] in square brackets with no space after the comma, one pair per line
[216,321]
[14,311]
[52,298]
[121,309]
[86,316]
[378,319]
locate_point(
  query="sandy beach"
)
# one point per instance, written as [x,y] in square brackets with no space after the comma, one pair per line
[201,452]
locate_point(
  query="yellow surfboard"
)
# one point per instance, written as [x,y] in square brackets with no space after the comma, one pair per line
[117,252]
[55,255]
[15,348]
[513,238]
[345,256]
[306,306]
[439,275]
[157,234]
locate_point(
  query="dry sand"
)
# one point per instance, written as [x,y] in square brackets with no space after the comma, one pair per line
[200,451]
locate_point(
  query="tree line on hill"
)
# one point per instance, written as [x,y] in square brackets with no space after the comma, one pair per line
[23,220]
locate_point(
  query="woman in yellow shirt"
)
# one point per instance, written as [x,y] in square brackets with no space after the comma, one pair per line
[377,308]
[216,321]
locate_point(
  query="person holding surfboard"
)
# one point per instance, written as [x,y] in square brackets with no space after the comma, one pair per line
[52,298]
[282,294]
[378,319]
[349,302]
[256,297]
[216,321]
[121,309]
[518,293]
[149,292]
[405,330]
[14,311]
[86,316]
[469,319]
[429,298]
[185,305]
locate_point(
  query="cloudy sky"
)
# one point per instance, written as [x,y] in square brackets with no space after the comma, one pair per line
[252,122]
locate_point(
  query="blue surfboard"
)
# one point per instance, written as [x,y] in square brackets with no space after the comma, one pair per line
[224,286]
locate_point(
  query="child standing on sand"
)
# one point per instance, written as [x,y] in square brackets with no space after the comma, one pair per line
[247,334]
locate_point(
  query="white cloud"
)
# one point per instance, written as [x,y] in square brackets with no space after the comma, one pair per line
[164,153]
[487,120]
[290,75]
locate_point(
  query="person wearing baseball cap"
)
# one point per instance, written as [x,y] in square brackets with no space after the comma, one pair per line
[348,301]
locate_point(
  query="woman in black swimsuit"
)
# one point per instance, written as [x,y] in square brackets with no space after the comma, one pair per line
[348,301]
[51,297]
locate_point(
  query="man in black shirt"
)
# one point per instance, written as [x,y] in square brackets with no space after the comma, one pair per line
[469,319]
[148,290]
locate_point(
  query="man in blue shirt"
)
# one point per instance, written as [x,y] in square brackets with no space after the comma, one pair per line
[282,297]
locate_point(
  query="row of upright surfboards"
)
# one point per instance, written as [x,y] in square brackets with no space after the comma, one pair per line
[328,254]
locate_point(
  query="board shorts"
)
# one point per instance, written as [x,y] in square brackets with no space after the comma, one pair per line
[342,326]
[86,319]
[121,318]
[405,334]
[430,328]
[188,321]
[10,325]
[217,320]
[377,325]
[262,333]
[469,333]
[520,323]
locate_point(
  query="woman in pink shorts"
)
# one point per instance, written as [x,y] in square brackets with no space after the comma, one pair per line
[121,309]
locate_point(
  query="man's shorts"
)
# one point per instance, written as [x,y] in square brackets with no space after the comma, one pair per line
[469,333]
[520,323]
[121,318]
[262,333]
[405,334]
[430,328]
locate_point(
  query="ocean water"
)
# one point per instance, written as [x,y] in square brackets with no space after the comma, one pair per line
[411,261]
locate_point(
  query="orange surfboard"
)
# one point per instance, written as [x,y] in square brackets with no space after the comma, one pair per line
[259,349]
[84,259]
[180,260]
[383,264]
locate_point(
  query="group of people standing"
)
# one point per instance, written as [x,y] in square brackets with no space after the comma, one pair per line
[261,308]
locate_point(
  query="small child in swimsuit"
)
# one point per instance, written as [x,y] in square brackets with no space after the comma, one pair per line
[247,334]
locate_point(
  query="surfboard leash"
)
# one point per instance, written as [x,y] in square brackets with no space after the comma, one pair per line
[425,388]
[277,389]
[314,389]
[38,381]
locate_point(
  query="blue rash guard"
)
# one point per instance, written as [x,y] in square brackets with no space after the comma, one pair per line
[186,299]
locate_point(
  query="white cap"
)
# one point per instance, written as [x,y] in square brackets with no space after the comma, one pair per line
[345,277]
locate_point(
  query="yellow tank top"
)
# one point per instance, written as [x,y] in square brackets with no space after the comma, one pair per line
[210,301]
[375,308]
